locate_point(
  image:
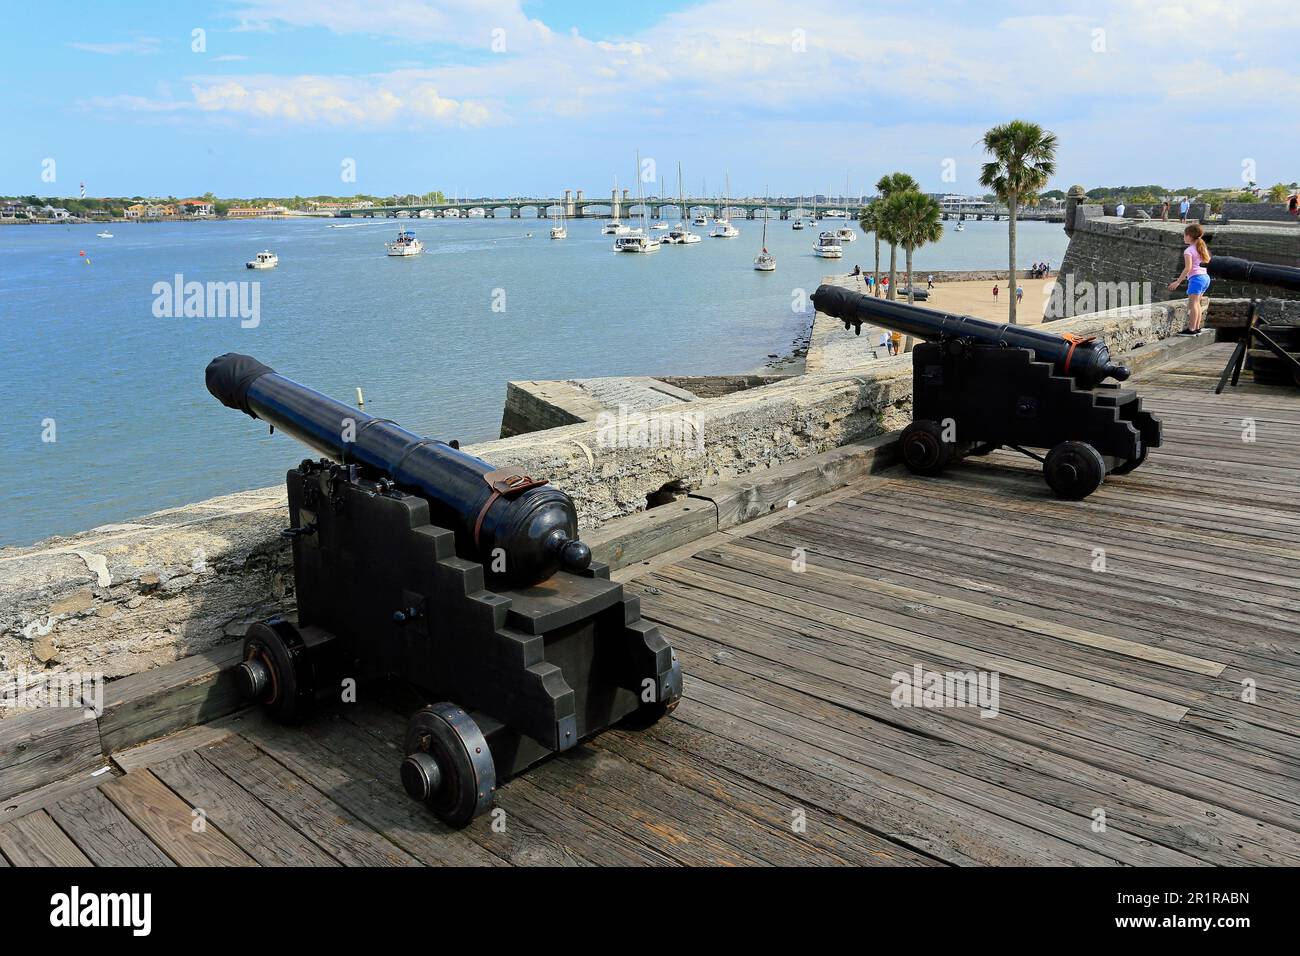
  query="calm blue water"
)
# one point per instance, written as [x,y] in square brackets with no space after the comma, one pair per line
[137,430]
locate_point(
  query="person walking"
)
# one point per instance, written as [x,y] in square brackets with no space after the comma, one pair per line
[995,293]
[884,342]
[1195,256]
[1020,294]
[929,282]
[895,342]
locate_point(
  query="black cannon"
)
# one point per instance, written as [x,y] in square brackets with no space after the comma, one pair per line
[417,561]
[979,386]
[1278,362]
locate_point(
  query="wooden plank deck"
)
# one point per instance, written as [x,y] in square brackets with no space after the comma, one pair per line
[1123,692]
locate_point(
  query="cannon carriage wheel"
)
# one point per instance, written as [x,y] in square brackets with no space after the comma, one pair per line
[448,764]
[1074,470]
[924,450]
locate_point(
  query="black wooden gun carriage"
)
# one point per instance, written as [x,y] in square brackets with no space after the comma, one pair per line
[980,385]
[413,559]
[1273,351]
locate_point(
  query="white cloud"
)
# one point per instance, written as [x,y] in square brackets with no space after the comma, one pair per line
[406,96]
[138,46]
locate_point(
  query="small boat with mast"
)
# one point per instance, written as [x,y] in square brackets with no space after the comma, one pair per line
[765,261]
[722,227]
[558,230]
[681,234]
[637,240]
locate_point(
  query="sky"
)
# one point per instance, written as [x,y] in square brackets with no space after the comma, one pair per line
[503,98]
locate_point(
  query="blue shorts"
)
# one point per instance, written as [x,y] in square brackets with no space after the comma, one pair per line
[1196,285]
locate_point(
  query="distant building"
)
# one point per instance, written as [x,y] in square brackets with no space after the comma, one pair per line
[196,207]
[149,210]
[950,202]
[256,212]
[16,209]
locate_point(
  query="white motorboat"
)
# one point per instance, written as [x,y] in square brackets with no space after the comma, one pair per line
[828,246]
[660,226]
[798,224]
[266,259]
[405,244]
[700,221]
[426,213]
[845,234]
[614,228]
[961,227]
[403,214]
[636,241]
[451,214]
[104,235]
[476,213]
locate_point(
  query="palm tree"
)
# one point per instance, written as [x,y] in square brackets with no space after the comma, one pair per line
[1024,158]
[887,186]
[913,219]
[869,220]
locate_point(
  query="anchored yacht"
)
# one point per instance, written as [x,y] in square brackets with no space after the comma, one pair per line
[405,244]
[845,234]
[828,246]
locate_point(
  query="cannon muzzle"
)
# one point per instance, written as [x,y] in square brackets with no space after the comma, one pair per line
[1233,269]
[521,527]
[1088,360]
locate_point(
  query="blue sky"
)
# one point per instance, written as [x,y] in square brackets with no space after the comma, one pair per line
[502,97]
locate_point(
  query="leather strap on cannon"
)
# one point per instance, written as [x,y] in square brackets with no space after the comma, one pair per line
[1075,341]
[505,483]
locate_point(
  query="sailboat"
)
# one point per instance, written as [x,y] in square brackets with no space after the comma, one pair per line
[765,261]
[681,234]
[660,225]
[722,227]
[798,218]
[637,240]
[558,231]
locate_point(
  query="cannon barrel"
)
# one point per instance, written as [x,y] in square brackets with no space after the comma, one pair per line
[1088,361]
[1257,273]
[533,524]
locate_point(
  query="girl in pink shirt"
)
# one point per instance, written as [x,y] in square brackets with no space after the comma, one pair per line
[1195,256]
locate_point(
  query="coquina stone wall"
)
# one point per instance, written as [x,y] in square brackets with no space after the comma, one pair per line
[127,597]
[1109,256]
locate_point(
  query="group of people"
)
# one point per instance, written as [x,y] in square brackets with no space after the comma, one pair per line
[870,280]
[1040,270]
[1020,293]
[891,342]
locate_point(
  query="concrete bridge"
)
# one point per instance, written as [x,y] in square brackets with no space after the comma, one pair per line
[619,206]
[601,207]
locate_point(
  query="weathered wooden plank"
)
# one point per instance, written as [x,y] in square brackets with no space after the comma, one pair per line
[165,748]
[640,536]
[190,691]
[47,745]
[249,825]
[36,840]
[171,823]
[30,801]
[304,807]
[103,832]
